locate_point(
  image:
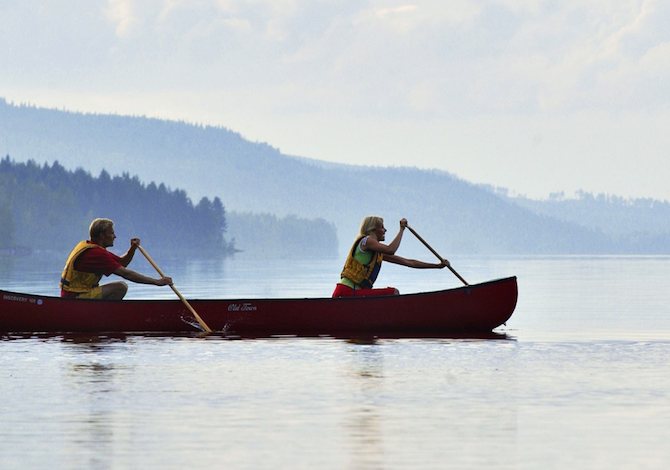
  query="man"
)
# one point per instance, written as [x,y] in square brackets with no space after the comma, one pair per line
[90,260]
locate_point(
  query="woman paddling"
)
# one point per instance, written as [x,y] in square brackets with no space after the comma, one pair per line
[365,258]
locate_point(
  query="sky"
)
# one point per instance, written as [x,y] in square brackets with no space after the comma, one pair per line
[535,96]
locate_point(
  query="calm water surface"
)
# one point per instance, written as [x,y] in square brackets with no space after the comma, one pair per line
[581,379]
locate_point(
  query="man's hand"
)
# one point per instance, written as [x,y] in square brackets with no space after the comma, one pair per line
[134,243]
[164,281]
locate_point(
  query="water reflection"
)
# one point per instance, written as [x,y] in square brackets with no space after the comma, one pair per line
[432,399]
[363,422]
[92,377]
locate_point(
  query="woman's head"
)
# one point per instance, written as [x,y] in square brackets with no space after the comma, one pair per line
[369,225]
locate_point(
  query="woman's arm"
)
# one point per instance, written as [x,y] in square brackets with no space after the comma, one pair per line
[413,263]
[391,248]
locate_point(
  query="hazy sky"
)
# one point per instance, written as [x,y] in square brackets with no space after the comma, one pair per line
[532,95]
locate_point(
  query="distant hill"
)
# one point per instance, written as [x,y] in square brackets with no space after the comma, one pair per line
[251,177]
[49,207]
[634,225]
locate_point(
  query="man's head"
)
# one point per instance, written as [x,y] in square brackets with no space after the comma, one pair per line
[101,232]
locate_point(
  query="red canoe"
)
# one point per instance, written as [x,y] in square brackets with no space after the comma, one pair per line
[470,309]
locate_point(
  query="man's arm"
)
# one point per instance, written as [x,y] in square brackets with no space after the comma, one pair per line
[127,257]
[141,278]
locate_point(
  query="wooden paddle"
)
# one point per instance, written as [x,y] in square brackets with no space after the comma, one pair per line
[197,317]
[436,254]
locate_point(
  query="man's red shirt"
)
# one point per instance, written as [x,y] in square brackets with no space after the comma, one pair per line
[95,260]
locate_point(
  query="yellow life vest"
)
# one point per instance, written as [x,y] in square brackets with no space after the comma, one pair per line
[360,272]
[77,281]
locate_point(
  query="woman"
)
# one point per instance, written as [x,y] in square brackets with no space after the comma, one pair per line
[365,259]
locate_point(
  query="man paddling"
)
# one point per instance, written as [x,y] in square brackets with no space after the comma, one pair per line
[90,260]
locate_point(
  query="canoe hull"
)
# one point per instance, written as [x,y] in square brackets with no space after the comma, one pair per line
[477,308]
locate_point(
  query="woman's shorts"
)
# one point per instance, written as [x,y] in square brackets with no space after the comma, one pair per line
[345,291]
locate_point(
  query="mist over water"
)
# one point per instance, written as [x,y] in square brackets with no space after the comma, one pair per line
[581,381]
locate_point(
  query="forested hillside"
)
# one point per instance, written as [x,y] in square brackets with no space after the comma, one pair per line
[49,207]
[454,215]
[291,237]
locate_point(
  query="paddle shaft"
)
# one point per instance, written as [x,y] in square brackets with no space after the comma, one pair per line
[195,314]
[436,254]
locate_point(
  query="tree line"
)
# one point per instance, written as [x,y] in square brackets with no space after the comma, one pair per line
[48,207]
[289,237]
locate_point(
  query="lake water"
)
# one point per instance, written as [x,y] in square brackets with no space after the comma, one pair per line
[582,380]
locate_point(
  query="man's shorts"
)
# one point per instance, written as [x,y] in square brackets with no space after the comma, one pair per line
[95,293]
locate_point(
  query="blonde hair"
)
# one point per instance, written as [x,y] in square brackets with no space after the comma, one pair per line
[98,227]
[369,224]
